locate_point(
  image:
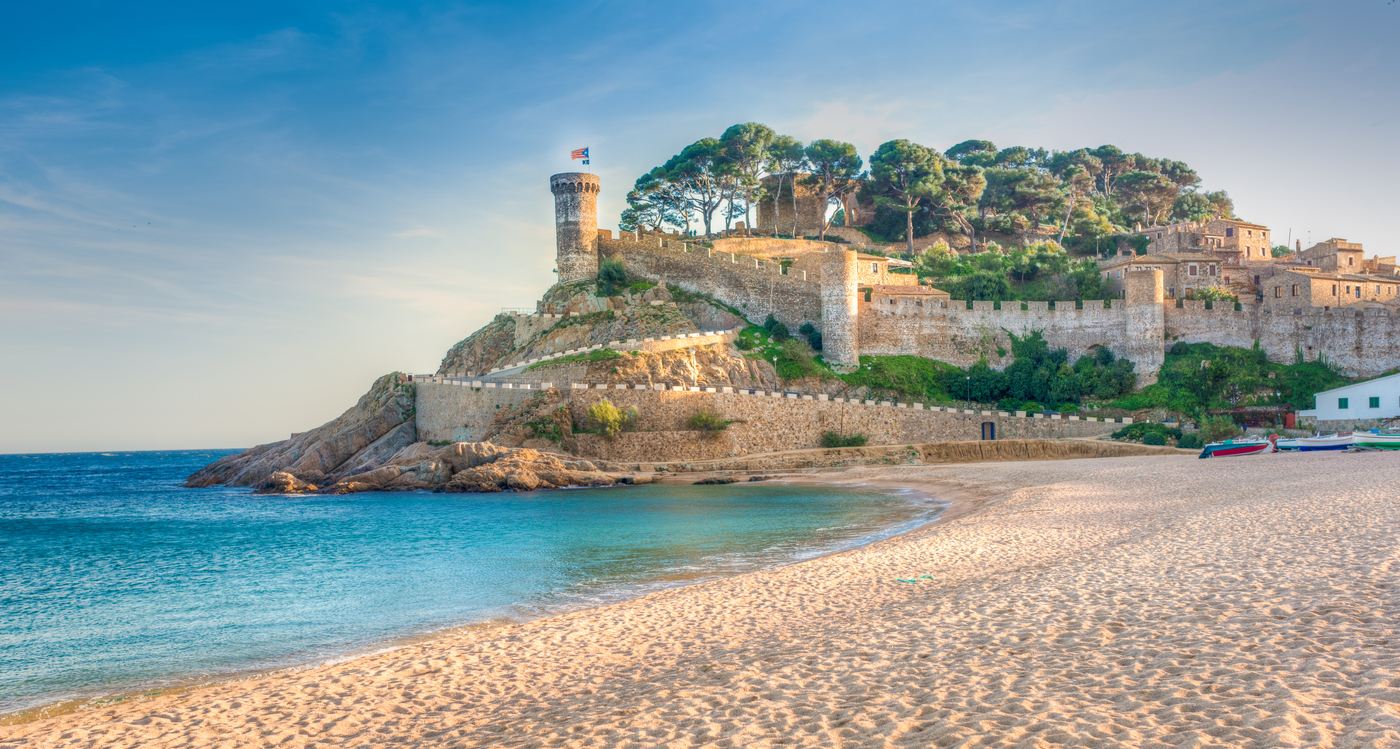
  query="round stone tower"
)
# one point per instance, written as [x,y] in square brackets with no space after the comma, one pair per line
[576,224]
[840,308]
[1146,320]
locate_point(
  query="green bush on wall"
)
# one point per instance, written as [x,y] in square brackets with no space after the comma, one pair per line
[836,439]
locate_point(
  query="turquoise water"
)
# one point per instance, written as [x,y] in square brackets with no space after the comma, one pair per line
[114,578]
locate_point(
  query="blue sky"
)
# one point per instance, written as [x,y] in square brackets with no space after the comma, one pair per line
[217,226]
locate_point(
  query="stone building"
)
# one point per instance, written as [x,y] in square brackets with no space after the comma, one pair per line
[811,211]
[1183,273]
[1309,288]
[1333,255]
[1239,245]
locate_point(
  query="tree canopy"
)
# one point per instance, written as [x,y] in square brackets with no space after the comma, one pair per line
[1082,198]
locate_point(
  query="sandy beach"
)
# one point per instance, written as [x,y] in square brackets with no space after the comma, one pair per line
[1137,602]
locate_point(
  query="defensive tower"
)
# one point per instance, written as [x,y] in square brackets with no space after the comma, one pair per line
[840,308]
[1144,297]
[576,224]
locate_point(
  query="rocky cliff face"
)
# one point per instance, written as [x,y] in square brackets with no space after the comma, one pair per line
[370,433]
[589,319]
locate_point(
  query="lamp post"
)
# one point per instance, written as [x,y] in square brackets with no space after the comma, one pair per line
[969,391]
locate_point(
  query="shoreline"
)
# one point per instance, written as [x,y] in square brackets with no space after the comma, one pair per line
[1109,601]
[621,595]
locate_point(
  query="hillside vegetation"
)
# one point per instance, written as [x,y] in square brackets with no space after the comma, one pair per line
[1085,198]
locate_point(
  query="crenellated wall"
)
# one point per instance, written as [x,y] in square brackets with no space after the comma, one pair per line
[948,331]
[755,286]
[1362,342]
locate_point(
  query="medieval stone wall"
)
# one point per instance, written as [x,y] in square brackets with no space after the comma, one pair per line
[948,331]
[1362,342]
[755,286]
[768,423]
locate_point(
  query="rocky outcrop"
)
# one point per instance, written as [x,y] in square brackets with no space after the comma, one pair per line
[376,428]
[588,319]
[474,467]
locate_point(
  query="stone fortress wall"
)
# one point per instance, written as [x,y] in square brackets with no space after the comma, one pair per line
[756,286]
[764,421]
[1361,342]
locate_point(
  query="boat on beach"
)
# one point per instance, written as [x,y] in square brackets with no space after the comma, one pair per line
[1231,448]
[1386,441]
[1325,442]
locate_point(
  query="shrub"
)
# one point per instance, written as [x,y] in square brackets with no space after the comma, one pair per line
[1217,428]
[609,418]
[1143,430]
[813,336]
[836,439]
[1190,442]
[1154,438]
[776,328]
[611,274]
[709,422]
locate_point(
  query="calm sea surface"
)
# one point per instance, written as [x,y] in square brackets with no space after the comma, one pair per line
[113,578]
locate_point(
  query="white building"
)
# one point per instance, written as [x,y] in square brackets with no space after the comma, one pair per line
[1373,399]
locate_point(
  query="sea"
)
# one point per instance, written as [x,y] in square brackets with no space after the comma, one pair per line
[114,579]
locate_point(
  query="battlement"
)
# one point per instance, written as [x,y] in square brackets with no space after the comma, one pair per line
[907,306]
[632,245]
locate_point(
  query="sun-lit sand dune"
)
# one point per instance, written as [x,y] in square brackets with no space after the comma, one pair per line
[1143,602]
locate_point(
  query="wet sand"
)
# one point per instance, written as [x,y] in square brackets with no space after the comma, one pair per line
[1143,602]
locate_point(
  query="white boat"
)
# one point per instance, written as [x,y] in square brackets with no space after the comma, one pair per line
[1286,443]
[1328,442]
[1387,441]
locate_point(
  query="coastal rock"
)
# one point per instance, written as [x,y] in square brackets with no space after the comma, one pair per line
[375,428]
[282,482]
[473,467]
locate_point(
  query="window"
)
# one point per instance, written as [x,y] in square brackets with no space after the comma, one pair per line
[1230,232]
[1334,289]
[1256,280]
[1378,289]
[1278,291]
[1358,292]
[874,267]
[1212,270]
[1191,269]
[1248,233]
[1295,289]
[1351,261]
[1375,402]
[1341,403]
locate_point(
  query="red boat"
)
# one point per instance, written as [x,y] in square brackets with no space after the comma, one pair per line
[1230,448]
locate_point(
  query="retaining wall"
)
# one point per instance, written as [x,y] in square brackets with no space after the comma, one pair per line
[1362,342]
[753,285]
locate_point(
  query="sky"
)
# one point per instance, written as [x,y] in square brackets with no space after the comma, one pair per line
[218,225]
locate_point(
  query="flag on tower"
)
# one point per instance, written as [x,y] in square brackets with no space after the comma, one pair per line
[580,153]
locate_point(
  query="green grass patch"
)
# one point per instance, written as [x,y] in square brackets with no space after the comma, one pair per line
[793,357]
[913,376]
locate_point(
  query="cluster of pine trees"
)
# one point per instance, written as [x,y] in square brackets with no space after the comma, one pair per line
[1084,197]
